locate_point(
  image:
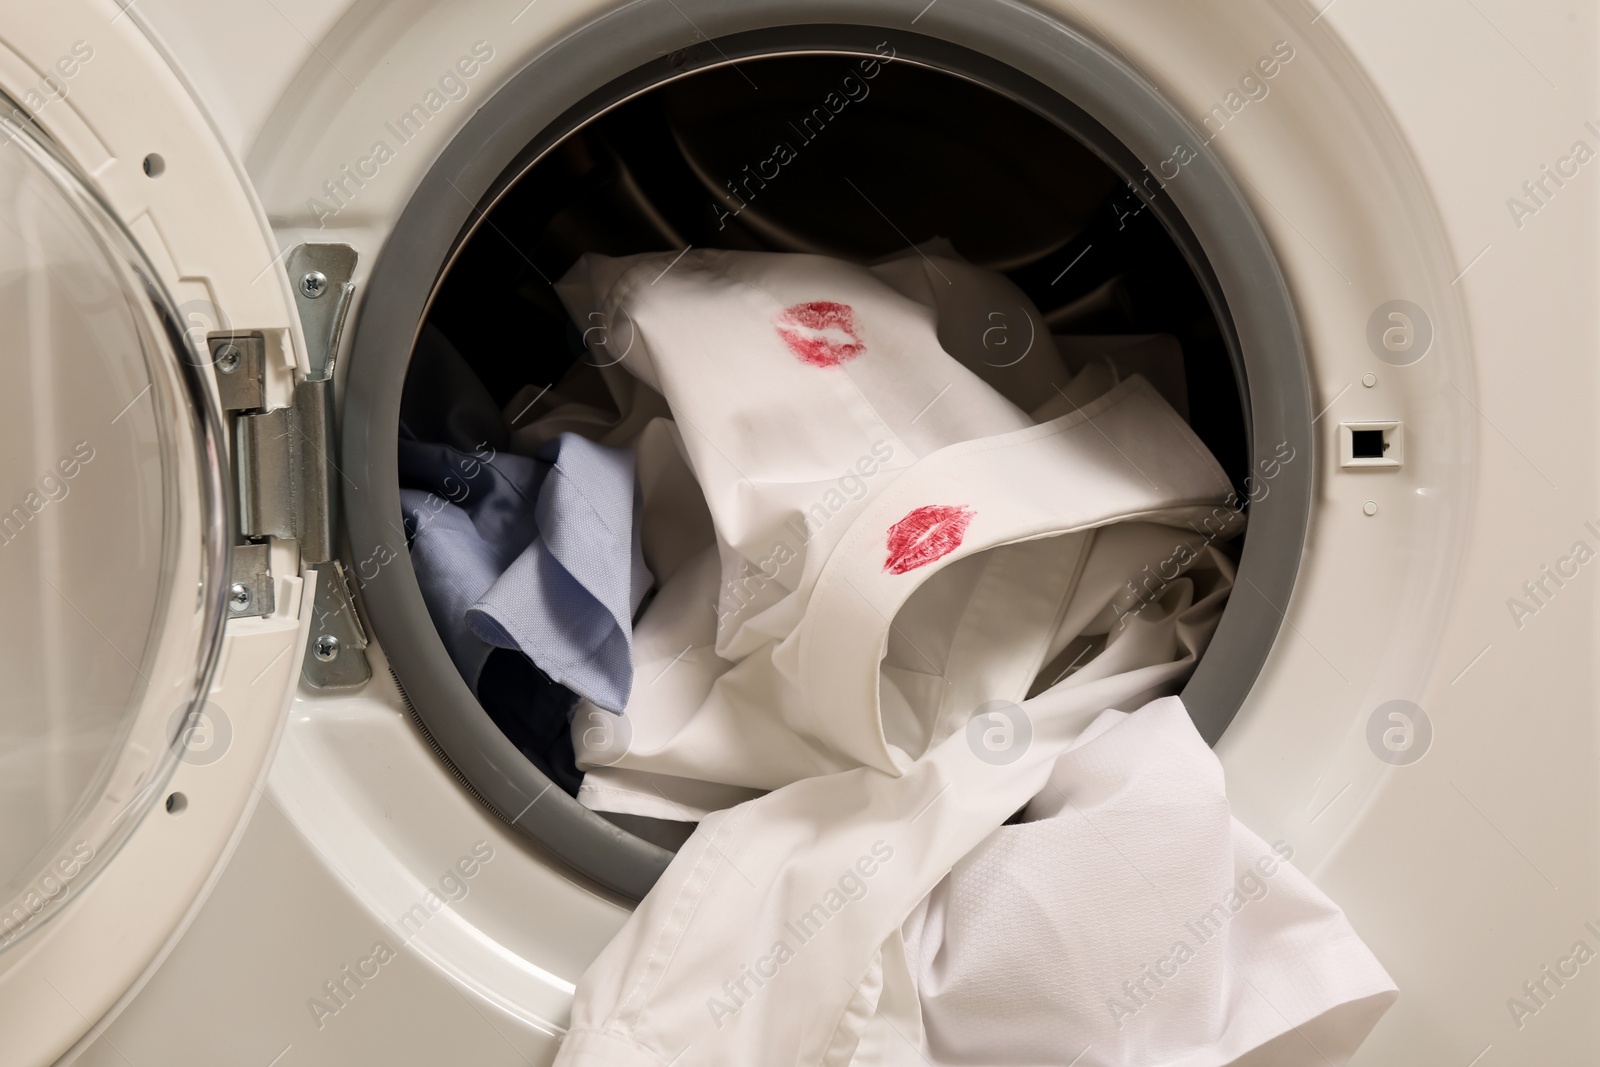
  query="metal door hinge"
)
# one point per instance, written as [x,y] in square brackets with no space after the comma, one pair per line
[286,484]
[285,463]
[250,583]
[240,360]
[336,655]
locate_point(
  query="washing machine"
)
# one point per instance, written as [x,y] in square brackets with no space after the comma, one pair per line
[253,814]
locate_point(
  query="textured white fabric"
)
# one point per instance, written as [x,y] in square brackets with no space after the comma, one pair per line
[790,454]
[814,718]
[1134,917]
[772,434]
[674,524]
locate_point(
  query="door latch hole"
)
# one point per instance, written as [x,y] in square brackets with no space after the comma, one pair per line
[1371,444]
[1367,444]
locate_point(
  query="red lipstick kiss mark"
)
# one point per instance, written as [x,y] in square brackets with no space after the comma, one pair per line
[813,332]
[928,533]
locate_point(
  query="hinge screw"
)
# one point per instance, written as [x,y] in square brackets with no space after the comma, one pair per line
[228,358]
[325,647]
[313,284]
[239,597]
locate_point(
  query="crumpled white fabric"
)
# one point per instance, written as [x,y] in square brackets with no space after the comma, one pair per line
[814,718]
[1130,919]
[789,456]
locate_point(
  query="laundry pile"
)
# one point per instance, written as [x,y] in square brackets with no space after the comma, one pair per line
[531,565]
[812,560]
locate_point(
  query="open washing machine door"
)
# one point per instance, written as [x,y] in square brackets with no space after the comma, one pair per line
[149,647]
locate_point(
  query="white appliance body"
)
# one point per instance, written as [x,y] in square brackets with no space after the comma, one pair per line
[332,895]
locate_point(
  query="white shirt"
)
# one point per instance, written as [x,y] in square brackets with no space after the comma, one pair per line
[805,683]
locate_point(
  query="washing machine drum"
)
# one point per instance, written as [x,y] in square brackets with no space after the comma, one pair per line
[846,152]
[724,286]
